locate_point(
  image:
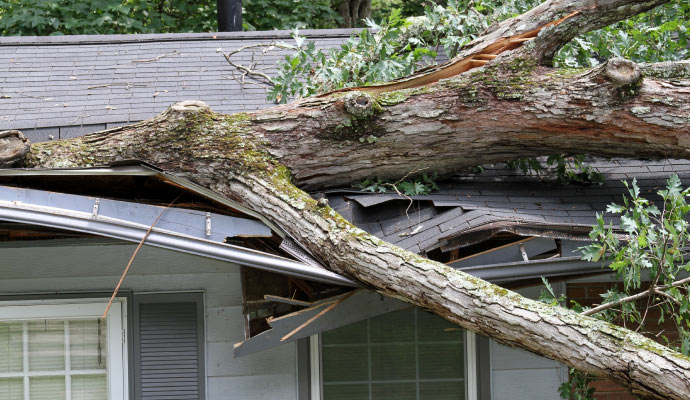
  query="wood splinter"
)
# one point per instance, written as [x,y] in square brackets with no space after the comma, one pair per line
[457,65]
[322,312]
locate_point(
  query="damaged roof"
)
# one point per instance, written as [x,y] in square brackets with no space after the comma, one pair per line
[128,201]
[470,208]
[61,87]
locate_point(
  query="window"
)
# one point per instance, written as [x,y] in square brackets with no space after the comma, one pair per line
[408,354]
[61,351]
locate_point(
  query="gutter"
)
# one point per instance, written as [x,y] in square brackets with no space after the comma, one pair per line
[512,271]
[63,218]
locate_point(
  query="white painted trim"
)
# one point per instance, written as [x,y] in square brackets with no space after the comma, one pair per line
[315,366]
[68,362]
[55,311]
[78,309]
[471,365]
[117,354]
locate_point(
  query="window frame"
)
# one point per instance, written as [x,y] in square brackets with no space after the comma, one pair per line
[470,367]
[87,308]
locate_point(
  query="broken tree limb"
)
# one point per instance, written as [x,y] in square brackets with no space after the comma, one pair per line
[457,65]
[511,107]
[13,147]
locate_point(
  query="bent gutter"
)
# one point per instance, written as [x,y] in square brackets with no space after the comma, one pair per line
[511,271]
[125,230]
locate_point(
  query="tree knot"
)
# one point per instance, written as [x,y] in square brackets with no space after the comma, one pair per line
[622,72]
[13,147]
[359,104]
[190,106]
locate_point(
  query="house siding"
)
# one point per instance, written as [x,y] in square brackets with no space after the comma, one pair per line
[76,266]
[520,375]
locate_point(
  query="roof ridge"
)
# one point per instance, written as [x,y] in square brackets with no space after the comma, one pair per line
[67,40]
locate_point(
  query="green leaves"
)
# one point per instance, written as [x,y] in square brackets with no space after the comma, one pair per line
[418,186]
[548,296]
[658,35]
[566,168]
[365,58]
[653,250]
[262,15]
[71,17]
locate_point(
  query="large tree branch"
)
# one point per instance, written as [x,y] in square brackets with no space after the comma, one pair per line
[509,108]
[502,111]
[550,25]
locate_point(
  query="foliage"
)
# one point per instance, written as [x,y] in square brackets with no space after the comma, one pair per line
[461,21]
[381,9]
[577,387]
[418,186]
[650,246]
[364,58]
[62,17]
[662,34]
[567,169]
[39,17]
[72,17]
[398,47]
[260,15]
[653,248]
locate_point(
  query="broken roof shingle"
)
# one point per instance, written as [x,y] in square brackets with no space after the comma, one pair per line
[467,203]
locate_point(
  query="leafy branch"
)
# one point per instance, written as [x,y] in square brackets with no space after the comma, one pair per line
[418,186]
[650,244]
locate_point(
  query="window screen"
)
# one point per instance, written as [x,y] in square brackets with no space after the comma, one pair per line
[53,359]
[408,354]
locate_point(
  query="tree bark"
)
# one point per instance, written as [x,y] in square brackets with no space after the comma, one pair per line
[513,106]
[353,12]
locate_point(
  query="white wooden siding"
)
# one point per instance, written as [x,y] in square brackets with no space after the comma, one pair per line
[517,374]
[76,267]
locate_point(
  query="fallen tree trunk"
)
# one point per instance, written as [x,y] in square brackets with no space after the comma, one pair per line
[511,107]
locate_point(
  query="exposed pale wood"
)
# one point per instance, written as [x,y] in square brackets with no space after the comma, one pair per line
[312,319]
[286,300]
[489,251]
[363,305]
[459,64]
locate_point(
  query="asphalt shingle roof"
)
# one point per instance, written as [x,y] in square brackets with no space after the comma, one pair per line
[71,85]
[470,202]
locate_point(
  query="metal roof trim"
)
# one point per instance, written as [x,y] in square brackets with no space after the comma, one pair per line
[498,273]
[139,168]
[129,170]
[120,229]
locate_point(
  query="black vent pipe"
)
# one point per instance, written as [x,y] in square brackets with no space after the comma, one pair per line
[229,15]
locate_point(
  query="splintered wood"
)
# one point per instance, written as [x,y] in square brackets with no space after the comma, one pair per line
[457,65]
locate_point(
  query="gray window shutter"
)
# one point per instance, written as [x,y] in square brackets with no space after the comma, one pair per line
[169,347]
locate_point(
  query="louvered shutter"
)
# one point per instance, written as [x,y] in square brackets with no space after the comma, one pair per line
[169,351]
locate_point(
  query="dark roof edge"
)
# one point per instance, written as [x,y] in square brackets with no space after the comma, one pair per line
[168,37]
